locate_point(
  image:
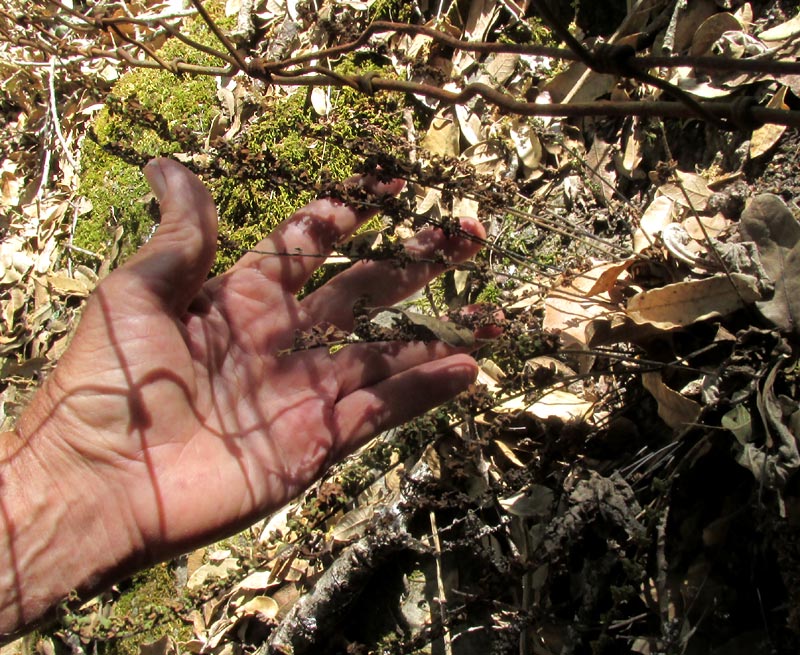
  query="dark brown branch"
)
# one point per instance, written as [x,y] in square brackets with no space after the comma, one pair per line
[287,73]
[224,40]
[197,45]
[754,65]
[147,49]
[718,110]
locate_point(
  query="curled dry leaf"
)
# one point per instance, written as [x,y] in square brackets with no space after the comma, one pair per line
[675,410]
[711,30]
[766,136]
[262,606]
[657,215]
[570,307]
[683,303]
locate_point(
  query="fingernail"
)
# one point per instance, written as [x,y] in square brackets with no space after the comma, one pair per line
[155,178]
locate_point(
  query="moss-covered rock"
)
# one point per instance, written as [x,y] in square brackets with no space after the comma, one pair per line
[154,113]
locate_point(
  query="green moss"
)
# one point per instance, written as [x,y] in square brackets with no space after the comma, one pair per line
[309,149]
[302,149]
[491,293]
[392,10]
[148,606]
[116,187]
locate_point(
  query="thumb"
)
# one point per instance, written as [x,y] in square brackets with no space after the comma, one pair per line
[173,265]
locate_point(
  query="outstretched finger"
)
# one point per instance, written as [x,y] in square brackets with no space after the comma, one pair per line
[300,244]
[386,283]
[366,412]
[362,365]
[171,267]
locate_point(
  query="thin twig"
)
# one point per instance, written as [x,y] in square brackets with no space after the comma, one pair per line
[54,116]
[224,40]
[197,45]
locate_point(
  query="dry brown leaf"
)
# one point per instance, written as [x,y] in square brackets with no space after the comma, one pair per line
[9,184]
[769,222]
[499,69]
[354,524]
[321,100]
[695,187]
[256,581]
[675,410]
[561,404]
[657,216]
[684,303]
[260,605]
[464,206]
[488,158]
[579,84]
[442,136]
[710,30]
[684,78]
[694,14]
[11,306]
[570,309]
[470,123]
[534,501]
[608,280]
[424,326]
[783,309]
[64,285]
[766,136]
[714,226]
[744,15]
[164,646]
[631,157]
[508,452]
[213,570]
[482,14]
[600,161]
[783,31]
[431,201]
[527,145]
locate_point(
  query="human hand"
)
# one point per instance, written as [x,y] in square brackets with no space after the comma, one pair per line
[177,403]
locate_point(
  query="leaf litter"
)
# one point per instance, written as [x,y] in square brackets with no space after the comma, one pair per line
[623,475]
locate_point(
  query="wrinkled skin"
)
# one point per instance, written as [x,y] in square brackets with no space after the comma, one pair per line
[178,398]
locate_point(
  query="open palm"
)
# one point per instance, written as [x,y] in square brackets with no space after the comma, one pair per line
[181,397]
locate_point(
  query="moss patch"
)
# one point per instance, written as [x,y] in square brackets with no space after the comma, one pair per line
[149,608]
[116,187]
[295,151]
[309,149]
